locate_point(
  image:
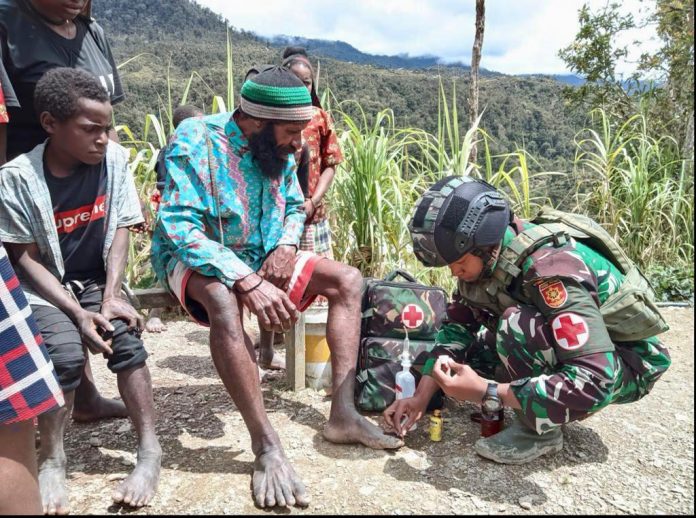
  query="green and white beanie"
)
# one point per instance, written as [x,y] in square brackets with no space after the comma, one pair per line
[277,94]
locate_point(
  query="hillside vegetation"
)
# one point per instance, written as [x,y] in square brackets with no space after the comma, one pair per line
[175,38]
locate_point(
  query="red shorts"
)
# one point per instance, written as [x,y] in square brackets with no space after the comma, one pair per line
[305,262]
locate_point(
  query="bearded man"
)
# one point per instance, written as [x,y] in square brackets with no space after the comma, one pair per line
[226,238]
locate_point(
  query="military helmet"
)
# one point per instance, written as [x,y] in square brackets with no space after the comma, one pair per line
[455,216]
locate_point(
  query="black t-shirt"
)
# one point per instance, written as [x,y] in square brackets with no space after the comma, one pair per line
[29,48]
[79,209]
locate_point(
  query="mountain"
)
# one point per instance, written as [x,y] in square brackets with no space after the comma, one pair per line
[569,79]
[343,51]
[161,44]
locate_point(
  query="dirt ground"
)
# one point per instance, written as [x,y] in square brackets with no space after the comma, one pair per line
[628,459]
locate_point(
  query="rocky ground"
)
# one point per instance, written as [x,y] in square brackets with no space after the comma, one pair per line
[631,459]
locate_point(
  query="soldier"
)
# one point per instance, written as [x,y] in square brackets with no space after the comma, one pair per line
[528,306]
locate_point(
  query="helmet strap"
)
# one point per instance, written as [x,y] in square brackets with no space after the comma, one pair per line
[489,257]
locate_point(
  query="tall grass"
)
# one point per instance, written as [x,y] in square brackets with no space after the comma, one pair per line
[633,184]
[638,188]
[371,199]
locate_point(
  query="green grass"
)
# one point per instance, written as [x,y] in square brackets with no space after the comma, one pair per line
[630,182]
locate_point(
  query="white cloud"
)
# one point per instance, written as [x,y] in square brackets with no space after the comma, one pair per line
[521,36]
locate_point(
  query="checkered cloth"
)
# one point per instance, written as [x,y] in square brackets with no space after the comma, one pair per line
[28,382]
[316,238]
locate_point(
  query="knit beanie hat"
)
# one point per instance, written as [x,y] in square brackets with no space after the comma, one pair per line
[276,94]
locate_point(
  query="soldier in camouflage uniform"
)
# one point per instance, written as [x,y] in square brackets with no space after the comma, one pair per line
[544,333]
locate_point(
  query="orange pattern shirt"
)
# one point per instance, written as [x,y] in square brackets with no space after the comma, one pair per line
[4,119]
[324,152]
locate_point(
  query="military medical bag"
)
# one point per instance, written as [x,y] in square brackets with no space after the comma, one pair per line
[390,308]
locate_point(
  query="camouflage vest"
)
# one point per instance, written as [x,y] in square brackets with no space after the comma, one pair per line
[629,314]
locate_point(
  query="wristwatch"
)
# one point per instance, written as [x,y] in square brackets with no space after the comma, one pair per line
[491,401]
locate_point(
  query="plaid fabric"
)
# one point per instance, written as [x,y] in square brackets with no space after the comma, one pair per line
[28,382]
[316,238]
[26,211]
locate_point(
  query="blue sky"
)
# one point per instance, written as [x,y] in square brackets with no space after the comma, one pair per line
[521,36]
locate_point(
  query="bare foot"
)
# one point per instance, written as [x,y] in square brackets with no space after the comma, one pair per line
[140,486]
[102,408]
[274,363]
[54,493]
[275,482]
[360,430]
[154,325]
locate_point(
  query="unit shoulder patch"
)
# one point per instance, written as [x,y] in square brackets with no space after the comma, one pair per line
[553,293]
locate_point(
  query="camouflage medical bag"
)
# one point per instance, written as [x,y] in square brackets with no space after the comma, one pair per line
[388,307]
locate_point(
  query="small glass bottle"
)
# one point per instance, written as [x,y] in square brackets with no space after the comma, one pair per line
[491,422]
[436,426]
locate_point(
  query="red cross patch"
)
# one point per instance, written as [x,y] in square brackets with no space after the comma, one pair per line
[570,331]
[412,316]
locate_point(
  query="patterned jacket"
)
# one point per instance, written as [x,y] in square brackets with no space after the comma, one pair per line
[223,227]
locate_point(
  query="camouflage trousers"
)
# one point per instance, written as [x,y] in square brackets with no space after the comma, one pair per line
[553,393]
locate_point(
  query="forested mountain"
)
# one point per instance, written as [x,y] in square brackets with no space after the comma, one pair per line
[177,37]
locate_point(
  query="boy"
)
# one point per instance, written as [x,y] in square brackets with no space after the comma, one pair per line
[65,209]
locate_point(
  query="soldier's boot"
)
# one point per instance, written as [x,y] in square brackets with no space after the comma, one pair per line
[518,444]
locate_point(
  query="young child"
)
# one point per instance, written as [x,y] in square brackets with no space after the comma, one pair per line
[65,209]
[28,387]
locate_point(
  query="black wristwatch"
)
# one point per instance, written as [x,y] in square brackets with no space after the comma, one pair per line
[491,401]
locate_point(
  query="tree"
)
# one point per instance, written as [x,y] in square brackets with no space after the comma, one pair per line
[674,64]
[594,56]
[475,61]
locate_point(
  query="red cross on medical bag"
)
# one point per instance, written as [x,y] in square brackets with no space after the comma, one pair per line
[389,306]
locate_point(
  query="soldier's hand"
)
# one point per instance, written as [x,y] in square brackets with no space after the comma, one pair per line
[459,381]
[272,306]
[400,416]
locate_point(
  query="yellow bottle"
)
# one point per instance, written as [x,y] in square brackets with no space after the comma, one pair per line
[436,426]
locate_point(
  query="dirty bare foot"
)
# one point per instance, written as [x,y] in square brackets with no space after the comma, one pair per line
[155,325]
[360,430]
[275,482]
[100,408]
[52,484]
[263,375]
[140,486]
[271,361]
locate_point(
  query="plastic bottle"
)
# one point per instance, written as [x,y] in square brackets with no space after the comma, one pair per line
[405,383]
[436,426]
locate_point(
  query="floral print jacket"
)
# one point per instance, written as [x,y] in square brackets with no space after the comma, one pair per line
[220,216]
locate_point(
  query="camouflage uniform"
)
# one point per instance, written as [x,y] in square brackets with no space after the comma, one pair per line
[554,346]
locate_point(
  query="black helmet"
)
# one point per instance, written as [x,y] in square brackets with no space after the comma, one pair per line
[456,216]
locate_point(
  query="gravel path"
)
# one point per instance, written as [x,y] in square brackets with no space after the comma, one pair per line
[629,459]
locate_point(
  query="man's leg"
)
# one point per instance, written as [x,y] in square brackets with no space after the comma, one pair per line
[341,285]
[89,404]
[64,347]
[274,480]
[19,487]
